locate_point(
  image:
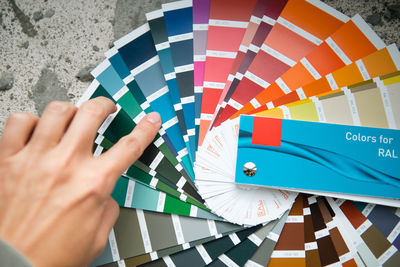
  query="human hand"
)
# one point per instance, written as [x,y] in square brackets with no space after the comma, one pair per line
[55,203]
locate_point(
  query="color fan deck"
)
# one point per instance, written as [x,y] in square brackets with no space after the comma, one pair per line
[279,142]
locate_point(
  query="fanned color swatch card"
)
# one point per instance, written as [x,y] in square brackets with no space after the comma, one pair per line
[279,142]
[292,154]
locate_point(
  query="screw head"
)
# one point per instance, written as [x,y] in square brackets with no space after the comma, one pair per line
[249,169]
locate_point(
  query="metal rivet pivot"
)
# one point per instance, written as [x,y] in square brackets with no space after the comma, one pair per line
[250,169]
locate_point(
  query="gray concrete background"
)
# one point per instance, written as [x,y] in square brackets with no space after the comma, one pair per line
[48,47]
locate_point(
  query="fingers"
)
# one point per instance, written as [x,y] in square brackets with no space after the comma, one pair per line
[17,132]
[108,218]
[87,120]
[129,148]
[52,125]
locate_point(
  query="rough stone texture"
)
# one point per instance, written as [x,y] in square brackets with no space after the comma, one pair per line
[84,73]
[387,29]
[47,89]
[374,19]
[394,11]
[25,45]
[64,40]
[6,81]
[49,13]
[131,14]
[61,43]
[38,15]
[23,19]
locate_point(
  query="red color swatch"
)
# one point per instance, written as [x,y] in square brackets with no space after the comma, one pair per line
[266,131]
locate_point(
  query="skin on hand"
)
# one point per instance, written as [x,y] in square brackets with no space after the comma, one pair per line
[55,203]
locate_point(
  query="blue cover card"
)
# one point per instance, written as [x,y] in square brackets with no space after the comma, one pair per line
[300,155]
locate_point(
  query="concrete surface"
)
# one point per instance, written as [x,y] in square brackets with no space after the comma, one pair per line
[48,47]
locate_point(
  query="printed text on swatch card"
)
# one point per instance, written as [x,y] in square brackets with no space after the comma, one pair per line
[382,152]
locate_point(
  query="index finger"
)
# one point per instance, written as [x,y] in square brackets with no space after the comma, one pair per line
[129,148]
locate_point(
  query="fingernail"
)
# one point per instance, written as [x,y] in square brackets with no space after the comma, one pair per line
[153,117]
